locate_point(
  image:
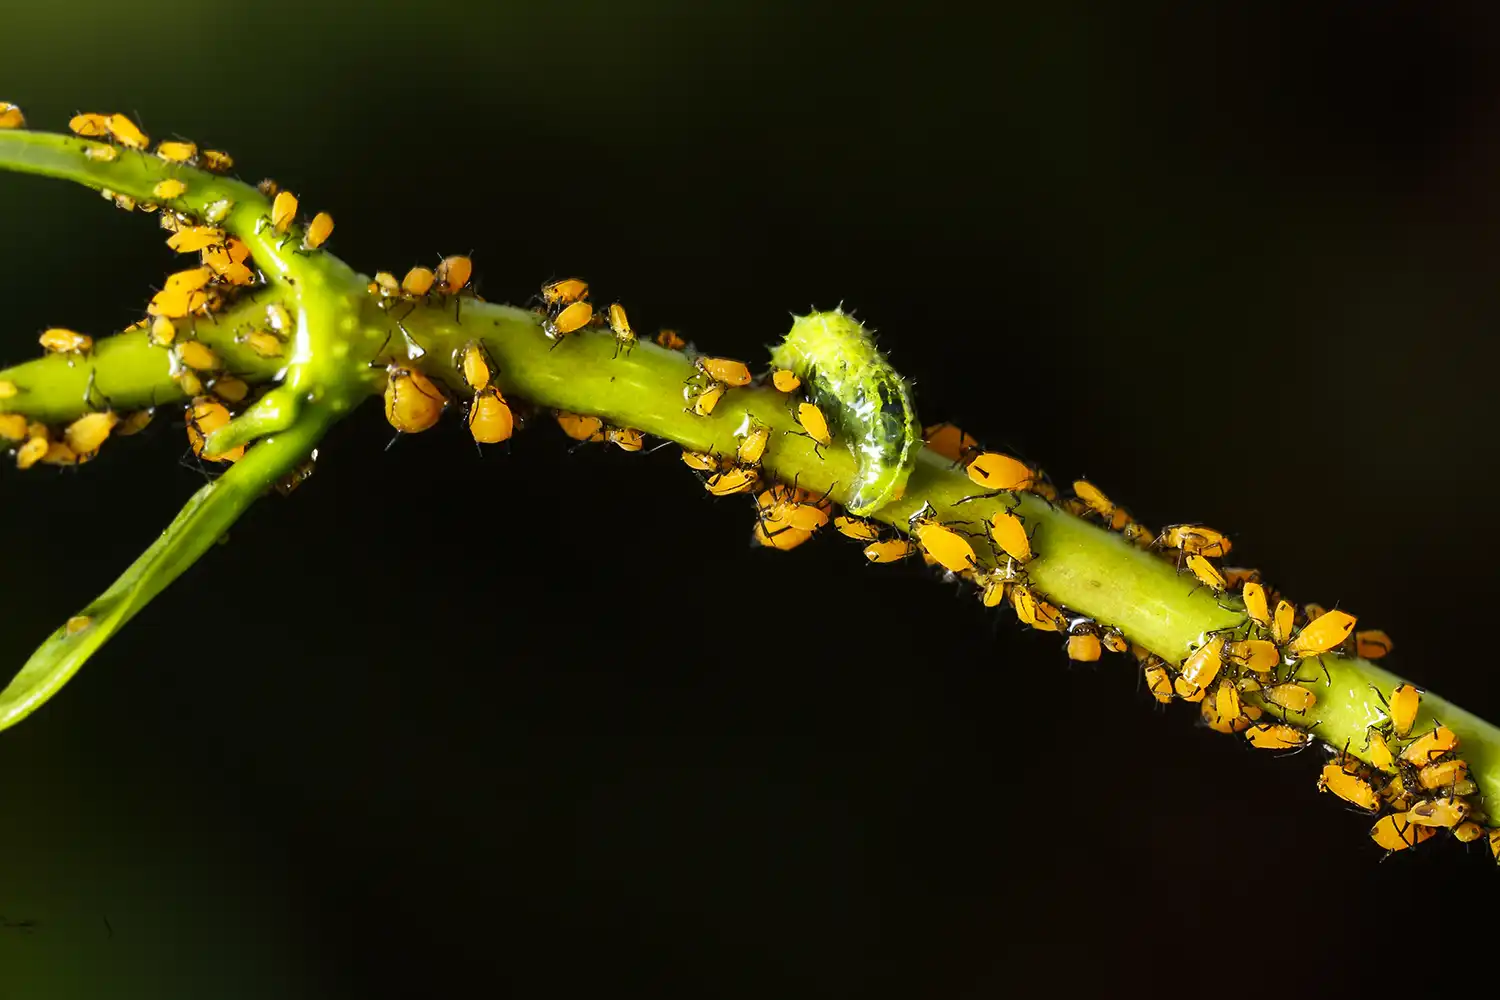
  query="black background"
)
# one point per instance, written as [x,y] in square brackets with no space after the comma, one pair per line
[544,721]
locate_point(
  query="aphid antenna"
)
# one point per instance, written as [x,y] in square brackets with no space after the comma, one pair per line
[982,496]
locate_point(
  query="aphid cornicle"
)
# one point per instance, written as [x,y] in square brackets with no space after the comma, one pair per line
[413,403]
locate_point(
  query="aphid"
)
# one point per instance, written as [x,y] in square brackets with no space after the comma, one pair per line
[1444,774]
[811,418]
[1138,534]
[205,416]
[1186,691]
[1094,499]
[216,160]
[318,231]
[77,624]
[1311,611]
[268,186]
[1275,736]
[228,262]
[11,116]
[386,284]
[7,388]
[1372,644]
[1158,680]
[890,550]
[1204,663]
[168,189]
[1084,647]
[619,324]
[189,280]
[264,342]
[1255,603]
[283,211]
[1430,746]
[418,281]
[175,303]
[1468,831]
[732,480]
[856,528]
[198,356]
[1207,575]
[194,238]
[1034,611]
[1281,622]
[784,379]
[565,292]
[474,365]
[63,341]
[177,152]
[1495,842]
[412,402]
[217,211]
[90,126]
[189,383]
[1396,832]
[625,438]
[784,539]
[995,471]
[1114,641]
[733,373]
[705,401]
[452,274]
[1211,711]
[580,427]
[126,132]
[490,419]
[231,389]
[88,433]
[1010,534]
[670,340]
[1292,697]
[753,445]
[31,452]
[1438,812]
[992,588]
[13,426]
[1322,634]
[1379,751]
[102,154]
[947,546]
[1198,538]
[1238,576]
[1403,708]
[700,460]
[301,474]
[1259,655]
[570,319]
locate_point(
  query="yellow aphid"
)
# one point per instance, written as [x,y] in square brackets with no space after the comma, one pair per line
[1010,534]
[412,402]
[992,591]
[205,416]
[995,471]
[90,126]
[734,480]
[1281,623]
[1372,644]
[856,528]
[780,507]
[1259,655]
[948,547]
[7,388]
[753,445]
[88,433]
[452,274]
[190,383]
[1467,832]
[318,231]
[1238,576]
[101,154]
[283,211]
[565,292]
[1379,751]
[1275,736]
[1033,610]
[216,160]
[474,364]
[1438,812]
[670,340]
[76,624]
[189,280]
[12,426]
[1095,500]
[231,389]
[126,132]
[1292,697]
[951,442]
[58,453]
[1199,538]
[177,303]
[733,373]
[1494,838]
[785,380]
[31,452]
[573,318]
[705,401]
[63,341]
[11,116]
[1430,746]
[1206,573]
[700,460]
[490,419]
[1158,680]
[198,356]
[813,422]
[135,423]
[625,438]
[1084,647]
[418,281]
[1396,832]
[1114,641]
[177,152]
[1255,603]
[890,550]
[784,539]
[195,238]
[1444,774]
[1204,663]
[1211,710]
[619,323]
[1186,691]
[1322,634]
[385,283]
[168,189]
[1404,702]
[228,262]
[580,427]
[265,343]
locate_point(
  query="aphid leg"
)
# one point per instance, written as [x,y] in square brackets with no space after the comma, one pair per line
[981,496]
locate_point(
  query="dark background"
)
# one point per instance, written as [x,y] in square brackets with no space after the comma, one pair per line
[545,722]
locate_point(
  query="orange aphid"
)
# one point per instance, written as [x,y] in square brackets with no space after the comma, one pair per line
[1397,832]
[11,116]
[177,152]
[490,419]
[995,471]
[1430,746]
[318,231]
[1372,643]
[283,211]
[1275,736]
[1010,534]
[88,433]
[672,342]
[168,189]
[1322,634]
[813,422]
[890,550]
[580,427]
[205,416]
[194,238]
[453,274]
[1403,708]
[950,441]
[89,125]
[572,318]
[412,402]
[784,379]
[733,373]
[63,341]
[126,132]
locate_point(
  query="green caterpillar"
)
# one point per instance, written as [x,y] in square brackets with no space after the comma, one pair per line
[863,396]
